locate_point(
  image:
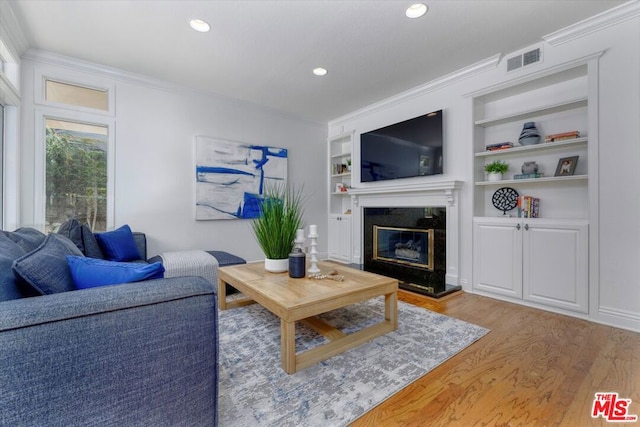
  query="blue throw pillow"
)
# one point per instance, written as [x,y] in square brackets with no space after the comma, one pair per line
[45,269]
[91,272]
[118,245]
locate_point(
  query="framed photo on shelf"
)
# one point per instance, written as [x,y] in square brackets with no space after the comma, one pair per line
[566,166]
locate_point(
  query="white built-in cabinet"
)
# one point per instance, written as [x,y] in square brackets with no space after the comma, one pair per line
[339,224]
[544,261]
[340,237]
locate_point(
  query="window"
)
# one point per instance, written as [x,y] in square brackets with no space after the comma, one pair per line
[76,173]
[79,96]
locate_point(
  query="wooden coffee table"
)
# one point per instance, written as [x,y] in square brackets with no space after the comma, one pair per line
[294,300]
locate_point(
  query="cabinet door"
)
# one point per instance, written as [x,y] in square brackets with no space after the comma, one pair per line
[340,238]
[497,258]
[334,237]
[555,265]
[345,238]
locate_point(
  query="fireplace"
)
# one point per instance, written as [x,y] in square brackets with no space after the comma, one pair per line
[409,244]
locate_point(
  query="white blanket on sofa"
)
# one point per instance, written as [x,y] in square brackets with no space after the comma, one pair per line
[190,263]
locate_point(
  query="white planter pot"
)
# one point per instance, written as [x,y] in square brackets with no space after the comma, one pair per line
[494,176]
[276,265]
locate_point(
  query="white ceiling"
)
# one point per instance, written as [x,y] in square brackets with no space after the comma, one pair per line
[264,51]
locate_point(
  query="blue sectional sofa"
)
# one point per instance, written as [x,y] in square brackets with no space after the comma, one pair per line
[142,353]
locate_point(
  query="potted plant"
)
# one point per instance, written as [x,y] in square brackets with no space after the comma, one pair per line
[495,170]
[275,229]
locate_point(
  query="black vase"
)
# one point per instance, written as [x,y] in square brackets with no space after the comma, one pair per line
[297,263]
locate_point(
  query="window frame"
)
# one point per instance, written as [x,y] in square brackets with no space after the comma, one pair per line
[73,79]
[41,116]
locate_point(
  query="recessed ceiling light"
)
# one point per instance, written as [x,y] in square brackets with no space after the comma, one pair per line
[199,25]
[320,71]
[416,10]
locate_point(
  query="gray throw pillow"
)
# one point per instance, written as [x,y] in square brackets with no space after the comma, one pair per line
[27,238]
[91,246]
[72,230]
[45,269]
[9,251]
[82,236]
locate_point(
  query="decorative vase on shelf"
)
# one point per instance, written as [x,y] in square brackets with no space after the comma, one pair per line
[494,176]
[529,167]
[529,134]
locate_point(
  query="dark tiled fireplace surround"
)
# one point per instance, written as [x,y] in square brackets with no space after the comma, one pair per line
[409,244]
[414,220]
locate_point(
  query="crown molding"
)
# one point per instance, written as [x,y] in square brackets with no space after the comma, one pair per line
[50,58]
[79,65]
[595,23]
[446,80]
[11,32]
[535,75]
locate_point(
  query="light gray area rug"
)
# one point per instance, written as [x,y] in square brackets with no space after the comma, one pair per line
[255,391]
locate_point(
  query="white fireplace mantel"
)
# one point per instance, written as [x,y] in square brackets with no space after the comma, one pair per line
[423,194]
[445,188]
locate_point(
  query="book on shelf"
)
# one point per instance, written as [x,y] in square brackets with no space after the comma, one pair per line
[499,146]
[528,175]
[339,168]
[528,207]
[574,134]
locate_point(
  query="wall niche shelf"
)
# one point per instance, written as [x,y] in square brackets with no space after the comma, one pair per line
[338,175]
[538,111]
[542,180]
[559,145]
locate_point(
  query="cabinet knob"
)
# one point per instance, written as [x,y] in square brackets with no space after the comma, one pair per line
[526,227]
[517,226]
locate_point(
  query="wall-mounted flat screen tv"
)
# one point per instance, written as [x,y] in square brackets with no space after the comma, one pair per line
[403,150]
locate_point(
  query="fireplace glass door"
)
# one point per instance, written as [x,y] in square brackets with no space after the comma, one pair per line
[412,246]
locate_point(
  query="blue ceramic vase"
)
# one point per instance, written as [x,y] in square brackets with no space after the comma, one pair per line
[529,134]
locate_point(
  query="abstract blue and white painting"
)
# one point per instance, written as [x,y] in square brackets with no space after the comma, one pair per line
[231,177]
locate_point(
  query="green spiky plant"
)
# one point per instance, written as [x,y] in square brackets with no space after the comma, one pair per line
[280,218]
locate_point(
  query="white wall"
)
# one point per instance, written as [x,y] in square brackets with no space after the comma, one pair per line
[616,300]
[155,125]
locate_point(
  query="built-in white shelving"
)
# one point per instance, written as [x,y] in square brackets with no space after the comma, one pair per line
[339,224]
[541,261]
[541,180]
[525,114]
[559,145]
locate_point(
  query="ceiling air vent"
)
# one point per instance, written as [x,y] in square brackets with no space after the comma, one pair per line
[530,57]
[524,59]
[514,63]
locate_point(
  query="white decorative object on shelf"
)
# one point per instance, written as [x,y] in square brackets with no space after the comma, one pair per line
[494,176]
[313,235]
[299,242]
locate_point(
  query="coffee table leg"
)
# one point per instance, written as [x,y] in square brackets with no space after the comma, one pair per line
[288,343]
[391,309]
[222,294]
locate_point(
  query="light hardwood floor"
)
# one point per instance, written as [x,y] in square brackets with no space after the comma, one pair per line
[534,368]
